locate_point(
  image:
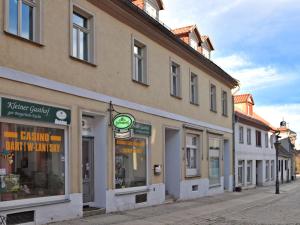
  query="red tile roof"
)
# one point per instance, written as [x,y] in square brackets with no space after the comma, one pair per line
[243,98]
[205,38]
[140,3]
[186,30]
[255,119]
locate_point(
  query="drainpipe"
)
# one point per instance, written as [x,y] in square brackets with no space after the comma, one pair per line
[233,134]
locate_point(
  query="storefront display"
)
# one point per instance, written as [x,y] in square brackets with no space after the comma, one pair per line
[130,162]
[32,161]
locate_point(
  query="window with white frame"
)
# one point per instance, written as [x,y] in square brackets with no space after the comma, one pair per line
[272,170]
[214,160]
[213,98]
[151,9]
[139,62]
[248,136]
[175,80]
[249,172]
[194,88]
[22,18]
[192,155]
[82,35]
[266,140]
[267,170]
[241,135]
[240,172]
[224,103]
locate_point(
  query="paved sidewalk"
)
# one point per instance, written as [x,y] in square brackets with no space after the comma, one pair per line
[250,207]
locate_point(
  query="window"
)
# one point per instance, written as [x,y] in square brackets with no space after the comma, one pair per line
[249,172]
[258,138]
[194,88]
[266,140]
[279,165]
[248,136]
[213,98]
[214,160]
[272,141]
[192,155]
[82,35]
[272,170]
[23,18]
[241,172]
[175,80]
[32,161]
[139,62]
[241,135]
[267,170]
[151,9]
[194,43]
[130,162]
[224,103]
[285,164]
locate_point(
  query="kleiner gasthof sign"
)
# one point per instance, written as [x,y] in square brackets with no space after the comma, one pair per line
[12,108]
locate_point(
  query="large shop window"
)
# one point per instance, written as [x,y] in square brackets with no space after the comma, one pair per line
[130,162]
[32,161]
[214,160]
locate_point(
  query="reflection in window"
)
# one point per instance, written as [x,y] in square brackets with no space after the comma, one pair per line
[32,162]
[214,160]
[130,162]
[21,18]
[80,37]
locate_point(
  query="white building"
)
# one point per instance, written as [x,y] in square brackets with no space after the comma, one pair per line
[254,150]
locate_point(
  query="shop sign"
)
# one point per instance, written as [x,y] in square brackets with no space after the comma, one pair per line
[142,129]
[123,122]
[16,109]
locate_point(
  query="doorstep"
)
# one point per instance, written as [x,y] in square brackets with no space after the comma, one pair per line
[93,211]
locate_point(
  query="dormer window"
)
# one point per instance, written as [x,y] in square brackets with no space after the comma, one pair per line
[152,9]
[194,43]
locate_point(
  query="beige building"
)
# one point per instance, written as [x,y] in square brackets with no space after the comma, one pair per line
[61,65]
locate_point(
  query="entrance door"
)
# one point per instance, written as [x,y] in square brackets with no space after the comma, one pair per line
[88,169]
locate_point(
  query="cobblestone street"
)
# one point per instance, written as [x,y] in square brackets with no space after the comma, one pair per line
[250,207]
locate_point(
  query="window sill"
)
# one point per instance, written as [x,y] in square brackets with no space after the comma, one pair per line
[83,61]
[225,115]
[214,186]
[175,96]
[127,191]
[192,177]
[24,39]
[214,111]
[30,205]
[195,104]
[141,83]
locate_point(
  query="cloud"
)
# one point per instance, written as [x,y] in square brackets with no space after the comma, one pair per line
[252,76]
[276,113]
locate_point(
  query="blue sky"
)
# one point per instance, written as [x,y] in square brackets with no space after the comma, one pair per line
[257,42]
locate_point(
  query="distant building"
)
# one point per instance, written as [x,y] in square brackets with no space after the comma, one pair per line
[254,150]
[287,153]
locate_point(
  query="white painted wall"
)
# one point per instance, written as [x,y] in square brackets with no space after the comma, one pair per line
[246,152]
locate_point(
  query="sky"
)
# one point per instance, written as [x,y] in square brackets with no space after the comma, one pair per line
[256,42]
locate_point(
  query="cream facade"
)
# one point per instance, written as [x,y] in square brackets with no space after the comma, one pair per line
[188,153]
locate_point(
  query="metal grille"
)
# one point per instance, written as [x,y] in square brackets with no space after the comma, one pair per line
[22,217]
[2,220]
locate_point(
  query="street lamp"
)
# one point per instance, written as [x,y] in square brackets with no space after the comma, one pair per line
[276,144]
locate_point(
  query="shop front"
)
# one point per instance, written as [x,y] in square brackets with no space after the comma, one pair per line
[33,157]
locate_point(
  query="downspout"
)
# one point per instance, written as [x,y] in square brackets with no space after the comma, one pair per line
[233,134]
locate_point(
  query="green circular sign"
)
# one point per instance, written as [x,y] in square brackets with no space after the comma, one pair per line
[123,121]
